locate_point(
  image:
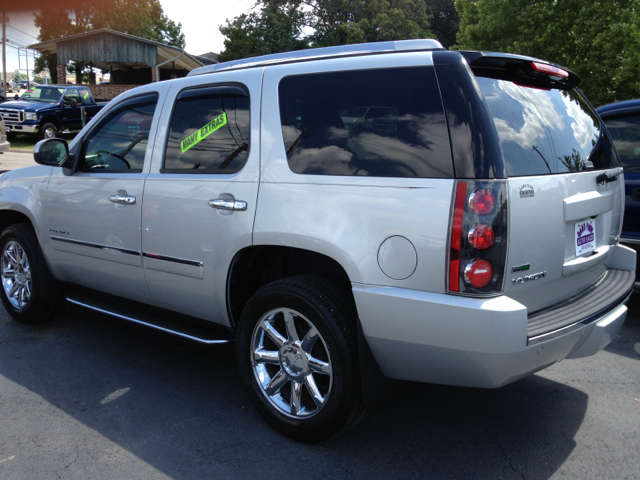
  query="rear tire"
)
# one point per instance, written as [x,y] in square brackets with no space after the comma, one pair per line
[298,357]
[30,294]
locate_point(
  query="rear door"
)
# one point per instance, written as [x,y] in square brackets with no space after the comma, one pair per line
[563,216]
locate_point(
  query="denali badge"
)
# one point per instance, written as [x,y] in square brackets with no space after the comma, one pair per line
[526,190]
[529,278]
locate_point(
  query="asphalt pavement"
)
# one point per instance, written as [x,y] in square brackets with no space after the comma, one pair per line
[89,396]
[14,159]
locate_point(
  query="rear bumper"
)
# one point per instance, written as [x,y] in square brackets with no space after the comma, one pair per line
[473,342]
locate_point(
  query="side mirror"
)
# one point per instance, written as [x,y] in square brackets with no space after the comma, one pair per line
[71,103]
[51,152]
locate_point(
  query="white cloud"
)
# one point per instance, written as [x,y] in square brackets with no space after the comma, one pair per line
[200,21]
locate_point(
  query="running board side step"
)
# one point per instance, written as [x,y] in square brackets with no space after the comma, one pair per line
[185,327]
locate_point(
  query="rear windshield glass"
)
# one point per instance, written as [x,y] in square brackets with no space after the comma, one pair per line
[625,132]
[544,132]
[380,123]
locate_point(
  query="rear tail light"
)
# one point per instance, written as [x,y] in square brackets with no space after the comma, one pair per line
[478,237]
[481,236]
[478,273]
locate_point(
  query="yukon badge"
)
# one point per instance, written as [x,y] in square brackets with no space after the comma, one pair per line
[529,278]
[526,191]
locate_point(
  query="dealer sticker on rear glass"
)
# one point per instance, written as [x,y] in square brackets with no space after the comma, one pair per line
[585,236]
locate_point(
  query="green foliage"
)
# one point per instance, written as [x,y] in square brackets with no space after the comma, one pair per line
[445,20]
[143,18]
[279,25]
[275,29]
[17,76]
[599,39]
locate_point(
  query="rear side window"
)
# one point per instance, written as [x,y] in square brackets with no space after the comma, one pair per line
[209,131]
[545,131]
[380,123]
[625,133]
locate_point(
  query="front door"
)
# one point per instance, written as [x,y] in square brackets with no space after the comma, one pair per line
[200,197]
[93,216]
[71,115]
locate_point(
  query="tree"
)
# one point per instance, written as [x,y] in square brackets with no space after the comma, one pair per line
[143,18]
[274,29]
[445,21]
[18,77]
[329,22]
[599,40]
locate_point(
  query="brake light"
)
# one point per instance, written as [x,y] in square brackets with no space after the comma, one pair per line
[482,201]
[478,237]
[478,273]
[549,69]
[456,234]
[481,237]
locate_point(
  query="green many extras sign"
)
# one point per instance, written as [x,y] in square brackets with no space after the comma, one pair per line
[203,132]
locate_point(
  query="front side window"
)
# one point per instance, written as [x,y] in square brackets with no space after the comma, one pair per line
[625,133]
[71,94]
[209,131]
[380,123]
[119,142]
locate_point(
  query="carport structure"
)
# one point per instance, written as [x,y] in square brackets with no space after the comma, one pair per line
[130,60]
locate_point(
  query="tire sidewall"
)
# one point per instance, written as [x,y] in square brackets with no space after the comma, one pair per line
[43,129]
[10,234]
[342,365]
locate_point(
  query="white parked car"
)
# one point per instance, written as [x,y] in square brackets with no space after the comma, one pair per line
[469,239]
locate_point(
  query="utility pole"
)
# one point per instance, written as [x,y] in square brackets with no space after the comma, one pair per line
[4,55]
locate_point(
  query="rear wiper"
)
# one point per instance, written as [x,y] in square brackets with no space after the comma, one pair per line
[606,178]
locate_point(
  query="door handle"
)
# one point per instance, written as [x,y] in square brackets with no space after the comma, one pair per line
[232,205]
[635,195]
[124,199]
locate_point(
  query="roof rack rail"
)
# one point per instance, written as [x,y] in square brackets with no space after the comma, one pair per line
[321,53]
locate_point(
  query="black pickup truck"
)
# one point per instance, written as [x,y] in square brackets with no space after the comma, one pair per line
[47,110]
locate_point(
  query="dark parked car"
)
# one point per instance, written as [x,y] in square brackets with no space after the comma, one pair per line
[623,122]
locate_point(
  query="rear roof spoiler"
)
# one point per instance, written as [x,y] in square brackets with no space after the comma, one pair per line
[518,69]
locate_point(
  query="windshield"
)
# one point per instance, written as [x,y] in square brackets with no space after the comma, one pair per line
[544,131]
[43,94]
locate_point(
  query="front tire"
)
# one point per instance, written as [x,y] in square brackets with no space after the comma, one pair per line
[29,292]
[48,130]
[297,354]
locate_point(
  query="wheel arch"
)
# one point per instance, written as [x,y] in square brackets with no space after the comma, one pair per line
[49,119]
[256,266]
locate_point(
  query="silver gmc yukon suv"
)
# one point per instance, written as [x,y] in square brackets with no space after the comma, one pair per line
[347,215]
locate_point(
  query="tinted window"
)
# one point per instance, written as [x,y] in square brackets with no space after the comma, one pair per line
[381,123]
[544,131]
[209,131]
[71,94]
[625,132]
[119,142]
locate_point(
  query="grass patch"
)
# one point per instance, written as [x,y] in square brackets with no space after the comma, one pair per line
[24,142]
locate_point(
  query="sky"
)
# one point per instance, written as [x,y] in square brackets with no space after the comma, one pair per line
[199,20]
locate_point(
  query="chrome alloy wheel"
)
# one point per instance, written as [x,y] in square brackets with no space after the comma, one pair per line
[16,275]
[49,132]
[291,363]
